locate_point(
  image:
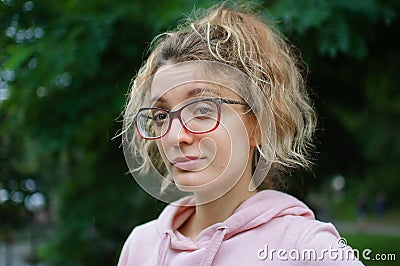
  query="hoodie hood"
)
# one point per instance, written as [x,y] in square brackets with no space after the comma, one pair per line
[255,211]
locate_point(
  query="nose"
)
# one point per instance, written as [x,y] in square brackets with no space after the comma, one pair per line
[177,133]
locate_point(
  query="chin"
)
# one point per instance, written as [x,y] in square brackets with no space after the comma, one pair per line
[191,181]
[212,183]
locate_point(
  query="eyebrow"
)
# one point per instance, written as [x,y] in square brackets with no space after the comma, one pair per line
[200,91]
[191,93]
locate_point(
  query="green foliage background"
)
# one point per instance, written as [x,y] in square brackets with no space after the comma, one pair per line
[67,66]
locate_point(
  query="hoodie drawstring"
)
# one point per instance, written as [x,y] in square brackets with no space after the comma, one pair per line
[162,253]
[215,243]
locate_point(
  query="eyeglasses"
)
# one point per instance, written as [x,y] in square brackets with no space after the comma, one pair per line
[198,117]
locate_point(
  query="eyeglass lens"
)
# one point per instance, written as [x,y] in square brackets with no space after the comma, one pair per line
[197,117]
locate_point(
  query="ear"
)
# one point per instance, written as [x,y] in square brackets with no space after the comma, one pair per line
[254,132]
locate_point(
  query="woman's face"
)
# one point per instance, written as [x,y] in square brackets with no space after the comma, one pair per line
[213,160]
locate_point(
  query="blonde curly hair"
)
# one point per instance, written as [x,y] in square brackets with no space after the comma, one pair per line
[239,38]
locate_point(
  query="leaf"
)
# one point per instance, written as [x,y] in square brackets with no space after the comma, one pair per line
[17,55]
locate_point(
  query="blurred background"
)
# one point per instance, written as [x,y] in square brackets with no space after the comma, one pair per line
[66,197]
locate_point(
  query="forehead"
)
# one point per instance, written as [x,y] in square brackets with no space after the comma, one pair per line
[189,79]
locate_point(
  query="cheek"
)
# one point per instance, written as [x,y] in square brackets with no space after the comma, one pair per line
[223,152]
[231,144]
[235,144]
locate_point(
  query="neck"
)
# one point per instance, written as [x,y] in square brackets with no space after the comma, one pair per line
[216,211]
[222,208]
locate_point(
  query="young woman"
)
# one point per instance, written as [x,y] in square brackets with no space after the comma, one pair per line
[219,112]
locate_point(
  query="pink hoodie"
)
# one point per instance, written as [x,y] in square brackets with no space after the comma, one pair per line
[269,228]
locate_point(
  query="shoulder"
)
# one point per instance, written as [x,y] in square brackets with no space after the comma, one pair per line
[304,240]
[143,233]
[309,230]
[320,242]
[141,241]
[307,233]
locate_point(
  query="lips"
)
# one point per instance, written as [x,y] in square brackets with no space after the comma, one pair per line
[184,159]
[188,163]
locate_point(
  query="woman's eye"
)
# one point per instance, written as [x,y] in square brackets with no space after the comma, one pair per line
[159,116]
[203,111]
